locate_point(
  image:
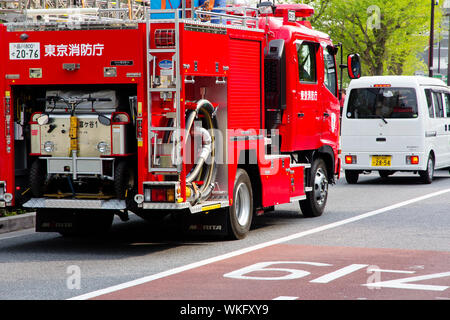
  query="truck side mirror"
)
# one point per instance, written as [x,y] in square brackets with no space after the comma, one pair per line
[354,66]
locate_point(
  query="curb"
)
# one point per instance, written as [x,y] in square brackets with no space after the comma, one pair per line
[19,222]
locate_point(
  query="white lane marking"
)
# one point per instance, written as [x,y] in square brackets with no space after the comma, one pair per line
[339,273]
[286,298]
[232,254]
[16,234]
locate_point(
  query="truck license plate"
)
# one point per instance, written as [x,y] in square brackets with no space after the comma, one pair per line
[24,51]
[381,161]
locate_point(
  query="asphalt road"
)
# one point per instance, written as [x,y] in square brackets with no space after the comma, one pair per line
[371,235]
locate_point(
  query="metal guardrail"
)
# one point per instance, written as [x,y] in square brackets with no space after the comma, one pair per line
[25,10]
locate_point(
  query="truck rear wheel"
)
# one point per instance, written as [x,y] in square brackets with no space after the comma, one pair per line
[123,179]
[37,178]
[316,200]
[240,214]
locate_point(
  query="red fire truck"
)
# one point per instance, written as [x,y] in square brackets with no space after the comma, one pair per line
[214,117]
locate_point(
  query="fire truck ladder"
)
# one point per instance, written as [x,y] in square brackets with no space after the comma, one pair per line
[164,157]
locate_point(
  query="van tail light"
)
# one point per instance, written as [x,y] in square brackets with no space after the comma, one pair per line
[350,159]
[412,159]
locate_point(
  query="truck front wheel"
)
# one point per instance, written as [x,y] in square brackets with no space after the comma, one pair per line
[315,202]
[241,211]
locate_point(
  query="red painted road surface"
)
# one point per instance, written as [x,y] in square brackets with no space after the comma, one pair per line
[307,273]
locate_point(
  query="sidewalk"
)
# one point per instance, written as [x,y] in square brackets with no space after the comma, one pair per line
[18,222]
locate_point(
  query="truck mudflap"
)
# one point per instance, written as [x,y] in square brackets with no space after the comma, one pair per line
[213,223]
[207,218]
[94,204]
[73,222]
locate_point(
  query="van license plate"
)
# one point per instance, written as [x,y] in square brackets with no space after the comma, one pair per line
[381,161]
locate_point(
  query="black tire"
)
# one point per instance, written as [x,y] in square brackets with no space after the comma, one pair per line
[123,179]
[351,176]
[37,178]
[316,200]
[426,176]
[240,213]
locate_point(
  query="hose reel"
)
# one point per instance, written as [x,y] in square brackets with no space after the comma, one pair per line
[204,171]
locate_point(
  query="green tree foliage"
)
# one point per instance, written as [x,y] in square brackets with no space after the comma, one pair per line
[389,35]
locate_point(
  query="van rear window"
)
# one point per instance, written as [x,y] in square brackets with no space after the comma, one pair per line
[370,103]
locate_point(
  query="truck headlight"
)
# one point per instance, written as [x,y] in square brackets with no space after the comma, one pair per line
[102,147]
[49,146]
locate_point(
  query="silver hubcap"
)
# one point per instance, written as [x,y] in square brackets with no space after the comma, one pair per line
[320,187]
[242,204]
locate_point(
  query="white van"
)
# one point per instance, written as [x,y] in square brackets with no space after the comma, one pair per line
[396,123]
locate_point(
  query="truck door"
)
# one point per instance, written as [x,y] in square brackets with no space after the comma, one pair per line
[329,99]
[306,114]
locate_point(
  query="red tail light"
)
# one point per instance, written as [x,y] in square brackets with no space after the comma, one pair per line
[159,195]
[350,159]
[412,159]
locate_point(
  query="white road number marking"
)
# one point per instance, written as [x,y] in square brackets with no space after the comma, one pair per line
[292,274]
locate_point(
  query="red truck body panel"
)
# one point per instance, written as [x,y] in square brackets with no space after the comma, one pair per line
[227,64]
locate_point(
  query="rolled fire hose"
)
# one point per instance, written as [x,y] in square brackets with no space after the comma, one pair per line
[208,175]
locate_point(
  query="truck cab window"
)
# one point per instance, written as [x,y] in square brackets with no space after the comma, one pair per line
[330,72]
[306,53]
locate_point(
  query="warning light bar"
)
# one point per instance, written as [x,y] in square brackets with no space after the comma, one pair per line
[382,86]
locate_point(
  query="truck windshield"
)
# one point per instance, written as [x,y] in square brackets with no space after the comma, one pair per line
[384,103]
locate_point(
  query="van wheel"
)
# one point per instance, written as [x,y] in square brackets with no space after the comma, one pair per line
[37,178]
[240,214]
[315,202]
[427,175]
[351,176]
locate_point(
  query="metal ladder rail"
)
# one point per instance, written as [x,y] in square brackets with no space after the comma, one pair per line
[175,91]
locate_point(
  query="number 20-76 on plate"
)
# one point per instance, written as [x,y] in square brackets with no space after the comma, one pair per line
[24,51]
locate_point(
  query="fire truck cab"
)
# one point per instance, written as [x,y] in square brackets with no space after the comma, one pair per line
[213,116]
